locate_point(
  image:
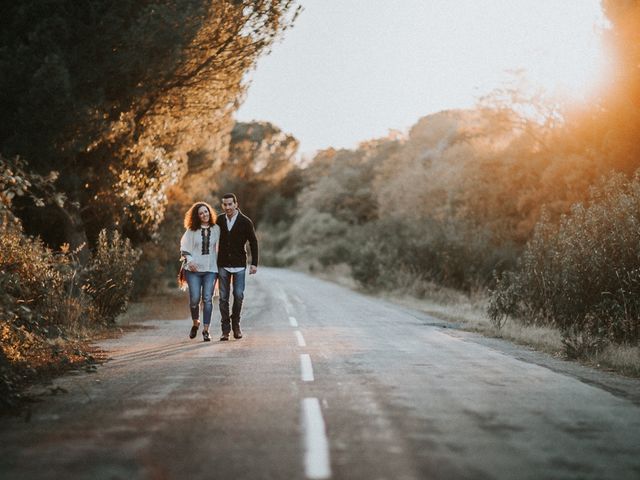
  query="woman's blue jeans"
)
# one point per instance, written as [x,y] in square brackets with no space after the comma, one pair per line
[201,287]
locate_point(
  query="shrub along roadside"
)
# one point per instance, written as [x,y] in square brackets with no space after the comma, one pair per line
[383,251]
[583,274]
[109,275]
[47,299]
[451,254]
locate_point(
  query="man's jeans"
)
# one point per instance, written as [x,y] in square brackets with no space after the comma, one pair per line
[226,279]
[201,286]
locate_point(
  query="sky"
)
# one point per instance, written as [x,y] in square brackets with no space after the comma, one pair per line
[353,70]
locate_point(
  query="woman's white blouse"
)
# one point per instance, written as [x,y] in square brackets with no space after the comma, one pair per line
[191,242]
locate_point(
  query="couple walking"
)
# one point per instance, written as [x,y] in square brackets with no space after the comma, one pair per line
[214,248]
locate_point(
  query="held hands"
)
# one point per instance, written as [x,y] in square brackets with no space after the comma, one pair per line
[252,269]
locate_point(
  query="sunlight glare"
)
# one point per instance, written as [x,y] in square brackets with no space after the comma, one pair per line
[351,70]
[571,60]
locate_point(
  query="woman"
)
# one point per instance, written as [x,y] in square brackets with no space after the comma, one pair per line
[199,246]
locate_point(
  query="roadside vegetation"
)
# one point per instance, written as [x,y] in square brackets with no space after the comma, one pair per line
[50,303]
[525,206]
[517,218]
[110,112]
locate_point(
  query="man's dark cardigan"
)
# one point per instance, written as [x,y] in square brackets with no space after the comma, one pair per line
[231,251]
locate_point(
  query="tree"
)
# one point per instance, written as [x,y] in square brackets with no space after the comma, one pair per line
[260,167]
[115,95]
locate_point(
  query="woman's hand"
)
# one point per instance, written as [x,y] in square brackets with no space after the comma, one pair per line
[192,267]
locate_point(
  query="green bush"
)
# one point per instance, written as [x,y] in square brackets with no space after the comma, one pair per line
[35,279]
[109,276]
[450,253]
[46,294]
[583,273]
[39,299]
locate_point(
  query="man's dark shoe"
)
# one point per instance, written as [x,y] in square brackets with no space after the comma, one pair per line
[237,334]
[224,337]
[205,336]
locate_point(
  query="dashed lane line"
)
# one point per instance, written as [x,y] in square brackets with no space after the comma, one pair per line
[306,367]
[317,464]
[316,456]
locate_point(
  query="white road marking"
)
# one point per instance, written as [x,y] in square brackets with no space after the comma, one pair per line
[316,444]
[307,369]
[301,342]
[293,321]
[287,305]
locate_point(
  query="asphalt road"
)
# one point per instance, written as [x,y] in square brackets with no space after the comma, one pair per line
[327,383]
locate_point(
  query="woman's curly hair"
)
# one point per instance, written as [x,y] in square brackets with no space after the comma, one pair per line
[191,218]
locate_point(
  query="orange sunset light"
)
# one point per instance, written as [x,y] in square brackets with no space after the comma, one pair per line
[384,65]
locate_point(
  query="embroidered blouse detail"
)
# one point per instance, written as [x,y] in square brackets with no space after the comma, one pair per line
[206,235]
[201,247]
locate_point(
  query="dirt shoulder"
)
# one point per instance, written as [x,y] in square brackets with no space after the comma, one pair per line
[30,381]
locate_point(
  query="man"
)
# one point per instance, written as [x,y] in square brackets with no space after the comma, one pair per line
[236,229]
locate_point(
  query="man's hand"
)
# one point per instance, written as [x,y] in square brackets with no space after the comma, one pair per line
[252,269]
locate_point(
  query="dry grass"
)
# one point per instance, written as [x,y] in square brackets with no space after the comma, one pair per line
[38,361]
[33,359]
[340,274]
[469,312]
[545,339]
[619,358]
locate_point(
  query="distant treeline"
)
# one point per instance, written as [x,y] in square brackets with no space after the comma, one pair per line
[536,201]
